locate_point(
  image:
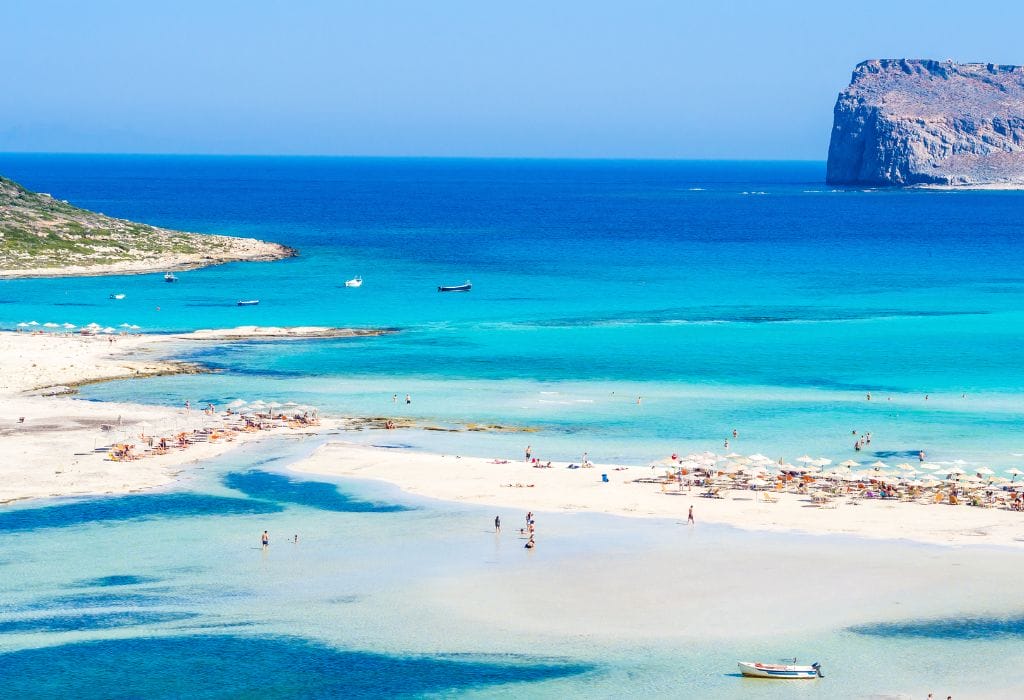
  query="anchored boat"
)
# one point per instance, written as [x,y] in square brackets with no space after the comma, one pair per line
[169,277]
[249,302]
[758,670]
[117,296]
[354,282]
[456,288]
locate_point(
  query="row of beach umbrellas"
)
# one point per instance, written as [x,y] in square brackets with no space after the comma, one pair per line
[95,327]
[758,464]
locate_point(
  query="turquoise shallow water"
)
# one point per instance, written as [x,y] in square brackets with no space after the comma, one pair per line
[727,295]
[169,594]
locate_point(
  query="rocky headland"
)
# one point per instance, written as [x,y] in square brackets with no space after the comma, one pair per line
[41,236]
[929,123]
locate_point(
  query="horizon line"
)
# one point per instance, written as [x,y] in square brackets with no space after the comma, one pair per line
[326,156]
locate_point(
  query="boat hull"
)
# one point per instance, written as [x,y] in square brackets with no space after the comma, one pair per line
[757,670]
[254,302]
[456,288]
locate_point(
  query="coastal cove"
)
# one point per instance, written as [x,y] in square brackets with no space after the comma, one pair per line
[621,312]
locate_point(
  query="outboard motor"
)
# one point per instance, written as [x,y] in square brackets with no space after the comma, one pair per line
[817,667]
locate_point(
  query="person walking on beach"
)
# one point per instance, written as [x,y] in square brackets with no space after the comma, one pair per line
[188,407]
[497,523]
[265,540]
[689,517]
[529,451]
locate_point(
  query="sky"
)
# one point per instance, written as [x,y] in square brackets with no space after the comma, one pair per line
[549,79]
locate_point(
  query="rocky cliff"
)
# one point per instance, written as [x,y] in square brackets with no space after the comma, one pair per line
[920,122]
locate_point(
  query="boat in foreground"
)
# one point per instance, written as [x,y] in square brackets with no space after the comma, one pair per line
[117,296]
[249,302]
[354,282]
[456,288]
[753,669]
[169,277]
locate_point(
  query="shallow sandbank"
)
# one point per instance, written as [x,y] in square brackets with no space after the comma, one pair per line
[516,484]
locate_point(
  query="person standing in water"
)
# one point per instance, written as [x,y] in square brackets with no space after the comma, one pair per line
[497,523]
[529,452]
[394,398]
[689,518]
[408,399]
[265,540]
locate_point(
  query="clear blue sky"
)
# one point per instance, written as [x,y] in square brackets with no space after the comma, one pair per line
[643,78]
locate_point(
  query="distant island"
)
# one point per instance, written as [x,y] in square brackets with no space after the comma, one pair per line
[929,123]
[41,236]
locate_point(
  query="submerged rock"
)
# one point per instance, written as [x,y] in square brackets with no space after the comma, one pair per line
[922,122]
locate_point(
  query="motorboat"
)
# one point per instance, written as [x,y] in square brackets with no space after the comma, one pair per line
[117,296]
[169,277]
[456,287]
[249,302]
[754,669]
[354,282]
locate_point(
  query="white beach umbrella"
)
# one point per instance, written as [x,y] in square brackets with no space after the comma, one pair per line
[22,325]
[905,467]
[126,325]
[758,457]
[956,470]
[69,326]
[806,459]
[879,465]
[108,329]
[237,403]
[984,471]
[51,324]
[822,462]
[33,323]
[959,462]
[135,328]
[1014,471]
[94,325]
[850,463]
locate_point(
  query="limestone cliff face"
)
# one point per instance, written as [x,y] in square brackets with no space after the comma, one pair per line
[916,122]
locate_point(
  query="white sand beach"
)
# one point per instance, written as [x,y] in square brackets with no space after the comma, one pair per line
[56,445]
[516,484]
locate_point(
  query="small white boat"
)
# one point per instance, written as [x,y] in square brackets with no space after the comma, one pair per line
[456,287]
[169,277]
[354,282]
[249,302]
[117,296]
[758,670]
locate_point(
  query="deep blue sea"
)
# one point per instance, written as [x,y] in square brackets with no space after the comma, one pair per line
[724,295]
